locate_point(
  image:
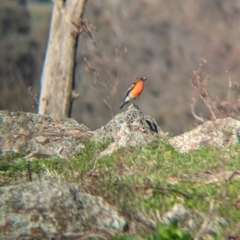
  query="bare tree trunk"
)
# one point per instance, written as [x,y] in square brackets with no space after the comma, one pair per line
[58,71]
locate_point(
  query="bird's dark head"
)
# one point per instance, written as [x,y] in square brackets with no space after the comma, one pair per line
[142,78]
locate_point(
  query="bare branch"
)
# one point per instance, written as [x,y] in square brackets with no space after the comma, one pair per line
[192,106]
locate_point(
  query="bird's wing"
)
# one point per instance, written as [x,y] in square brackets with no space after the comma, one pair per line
[128,91]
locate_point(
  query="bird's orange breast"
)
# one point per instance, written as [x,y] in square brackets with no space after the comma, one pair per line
[137,89]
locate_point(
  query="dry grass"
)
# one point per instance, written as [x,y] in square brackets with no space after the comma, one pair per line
[229,106]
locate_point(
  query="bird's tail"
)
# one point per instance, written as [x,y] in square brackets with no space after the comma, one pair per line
[122,105]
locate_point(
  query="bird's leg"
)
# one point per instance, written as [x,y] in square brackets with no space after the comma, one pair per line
[132,101]
[136,106]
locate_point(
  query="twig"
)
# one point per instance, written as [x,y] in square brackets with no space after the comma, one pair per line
[200,86]
[82,28]
[192,107]
[29,171]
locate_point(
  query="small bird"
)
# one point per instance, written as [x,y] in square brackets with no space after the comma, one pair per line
[134,91]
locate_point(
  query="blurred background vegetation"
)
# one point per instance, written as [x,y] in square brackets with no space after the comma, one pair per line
[163,40]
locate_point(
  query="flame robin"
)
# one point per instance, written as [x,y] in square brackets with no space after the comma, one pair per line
[134,91]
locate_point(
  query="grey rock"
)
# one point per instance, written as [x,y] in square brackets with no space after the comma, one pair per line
[130,128]
[215,134]
[40,135]
[51,210]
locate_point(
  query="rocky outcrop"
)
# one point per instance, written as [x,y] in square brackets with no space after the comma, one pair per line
[216,134]
[40,136]
[51,210]
[130,128]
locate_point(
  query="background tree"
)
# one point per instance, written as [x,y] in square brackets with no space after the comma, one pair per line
[58,70]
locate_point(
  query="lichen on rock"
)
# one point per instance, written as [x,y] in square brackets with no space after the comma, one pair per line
[47,210]
[130,128]
[40,136]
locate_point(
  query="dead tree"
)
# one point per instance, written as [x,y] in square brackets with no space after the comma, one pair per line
[58,70]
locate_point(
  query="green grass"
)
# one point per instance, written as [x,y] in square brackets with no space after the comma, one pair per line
[151,179]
